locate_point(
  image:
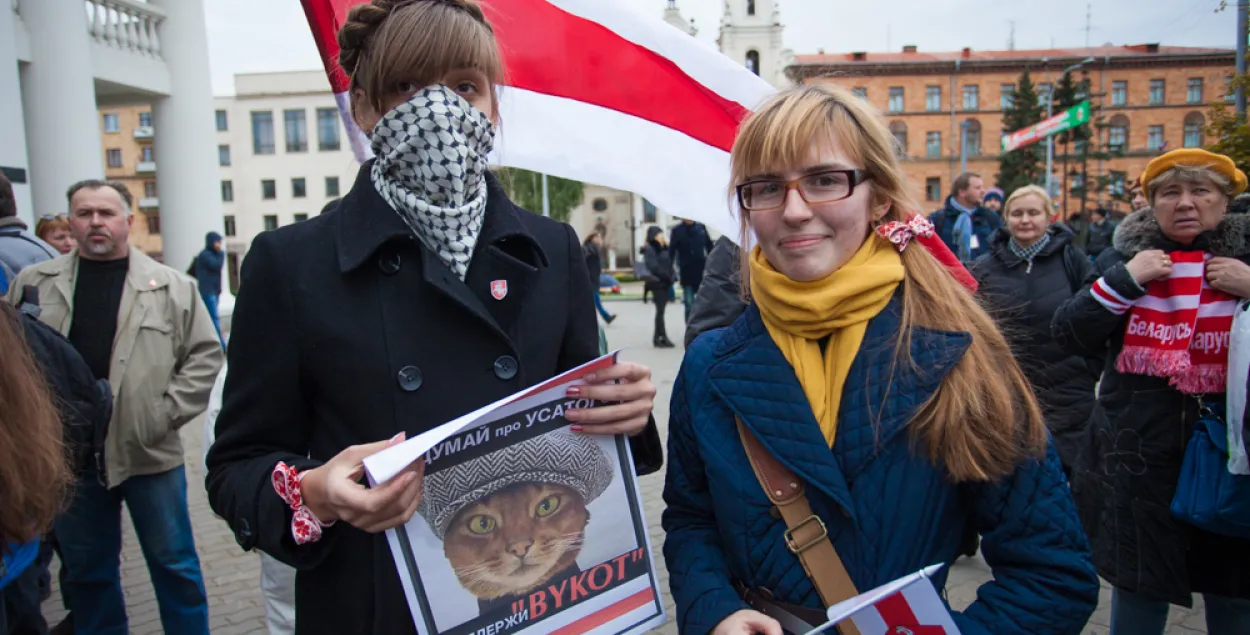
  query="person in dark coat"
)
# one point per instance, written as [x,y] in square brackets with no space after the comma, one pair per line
[659,259]
[690,245]
[364,324]
[1127,477]
[825,372]
[592,251]
[1031,270]
[1101,229]
[719,300]
[208,274]
[963,223]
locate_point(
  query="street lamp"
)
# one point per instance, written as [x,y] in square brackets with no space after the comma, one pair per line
[1050,112]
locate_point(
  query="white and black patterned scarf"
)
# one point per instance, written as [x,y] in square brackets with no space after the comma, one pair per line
[431,169]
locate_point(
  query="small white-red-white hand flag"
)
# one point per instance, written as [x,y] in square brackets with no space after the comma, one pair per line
[907,606]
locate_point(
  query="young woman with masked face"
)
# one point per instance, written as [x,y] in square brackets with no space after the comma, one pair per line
[874,380]
[425,295]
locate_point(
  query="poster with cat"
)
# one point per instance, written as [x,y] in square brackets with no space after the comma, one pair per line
[525,527]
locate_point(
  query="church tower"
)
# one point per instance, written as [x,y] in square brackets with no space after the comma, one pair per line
[750,33]
[672,15]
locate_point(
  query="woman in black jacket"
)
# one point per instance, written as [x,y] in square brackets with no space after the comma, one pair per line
[1030,270]
[1125,482]
[592,251]
[418,300]
[660,265]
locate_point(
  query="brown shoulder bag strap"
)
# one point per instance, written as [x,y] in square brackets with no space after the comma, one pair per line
[806,535]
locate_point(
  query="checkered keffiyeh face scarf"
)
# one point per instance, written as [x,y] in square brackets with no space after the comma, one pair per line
[431,169]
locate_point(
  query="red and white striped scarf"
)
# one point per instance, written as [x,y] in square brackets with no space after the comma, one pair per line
[1179,329]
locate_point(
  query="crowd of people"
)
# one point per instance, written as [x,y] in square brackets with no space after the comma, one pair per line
[1055,393]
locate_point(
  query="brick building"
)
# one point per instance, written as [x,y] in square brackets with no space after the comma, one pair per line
[127,135]
[1152,97]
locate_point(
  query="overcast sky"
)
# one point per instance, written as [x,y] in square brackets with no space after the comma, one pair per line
[273,35]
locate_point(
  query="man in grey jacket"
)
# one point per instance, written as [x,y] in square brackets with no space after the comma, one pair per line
[19,248]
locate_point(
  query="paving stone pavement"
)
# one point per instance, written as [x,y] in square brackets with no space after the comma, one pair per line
[232,576]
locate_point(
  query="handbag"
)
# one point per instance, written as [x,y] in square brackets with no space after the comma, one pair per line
[806,537]
[1208,496]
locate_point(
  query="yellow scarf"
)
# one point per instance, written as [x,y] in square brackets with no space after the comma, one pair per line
[799,314]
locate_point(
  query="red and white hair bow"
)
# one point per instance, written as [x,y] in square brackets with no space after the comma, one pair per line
[305,526]
[901,233]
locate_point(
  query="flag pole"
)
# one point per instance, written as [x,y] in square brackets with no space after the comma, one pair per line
[546,200]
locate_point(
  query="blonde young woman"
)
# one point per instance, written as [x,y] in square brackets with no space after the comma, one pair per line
[867,371]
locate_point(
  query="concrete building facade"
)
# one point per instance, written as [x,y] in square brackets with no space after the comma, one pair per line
[1152,98]
[128,137]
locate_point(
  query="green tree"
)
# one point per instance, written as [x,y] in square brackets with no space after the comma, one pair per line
[1227,133]
[1074,143]
[1022,166]
[525,188]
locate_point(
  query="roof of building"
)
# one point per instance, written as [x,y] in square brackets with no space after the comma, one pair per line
[912,56]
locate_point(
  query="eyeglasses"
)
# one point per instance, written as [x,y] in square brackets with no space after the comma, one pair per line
[766,195]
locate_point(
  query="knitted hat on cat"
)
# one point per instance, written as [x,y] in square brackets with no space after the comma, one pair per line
[575,461]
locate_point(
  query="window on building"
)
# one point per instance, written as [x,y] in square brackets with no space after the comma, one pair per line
[1230,95]
[268,189]
[114,156]
[149,189]
[1119,93]
[296,126]
[933,188]
[271,222]
[648,211]
[1082,89]
[300,217]
[933,98]
[222,121]
[227,191]
[1194,122]
[972,97]
[262,132]
[230,228]
[1193,91]
[145,154]
[861,92]
[1076,182]
[1115,183]
[899,130]
[1081,146]
[327,129]
[896,99]
[1043,93]
[1006,96]
[112,123]
[298,188]
[1117,134]
[933,144]
[1157,87]
[753,62]
[1154,138]
[750,7]
[972,138]
[145,119]
[223,154]
[154,224]
[332,186]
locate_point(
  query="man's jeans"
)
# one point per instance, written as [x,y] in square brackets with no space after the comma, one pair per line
[1133,614]
[210,303]
[687,298]
[90,536]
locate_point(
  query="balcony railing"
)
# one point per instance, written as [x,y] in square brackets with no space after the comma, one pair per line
[149,202]
[146,167]
[144,133]
[128,25]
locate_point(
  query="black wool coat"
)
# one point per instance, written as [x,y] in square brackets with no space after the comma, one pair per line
[1023,301]
[1125,481]
[347,330]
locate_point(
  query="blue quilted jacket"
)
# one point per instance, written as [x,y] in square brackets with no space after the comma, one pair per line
[889,511]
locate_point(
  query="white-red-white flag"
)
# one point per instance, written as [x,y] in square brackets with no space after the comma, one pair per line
[907,606]
[599,92]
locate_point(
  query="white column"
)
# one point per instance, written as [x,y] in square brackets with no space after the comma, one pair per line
[62,123]
[187,174]
[12,129]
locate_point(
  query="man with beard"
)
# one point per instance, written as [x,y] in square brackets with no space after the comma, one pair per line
[144,328]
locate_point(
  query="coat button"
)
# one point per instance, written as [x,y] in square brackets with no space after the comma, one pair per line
[410,378]
[389,262]
[505,367]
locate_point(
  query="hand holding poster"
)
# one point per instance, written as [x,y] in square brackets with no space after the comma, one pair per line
[524,526]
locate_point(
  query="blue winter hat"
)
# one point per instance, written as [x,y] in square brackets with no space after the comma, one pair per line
[993,192]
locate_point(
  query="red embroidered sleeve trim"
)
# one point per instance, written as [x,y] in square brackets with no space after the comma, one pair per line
[305,526]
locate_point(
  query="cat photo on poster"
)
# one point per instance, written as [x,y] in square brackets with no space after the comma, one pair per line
[525,526]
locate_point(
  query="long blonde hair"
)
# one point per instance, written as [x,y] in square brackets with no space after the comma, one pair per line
[984,420]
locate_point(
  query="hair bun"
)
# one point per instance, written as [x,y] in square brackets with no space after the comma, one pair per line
[363,20]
